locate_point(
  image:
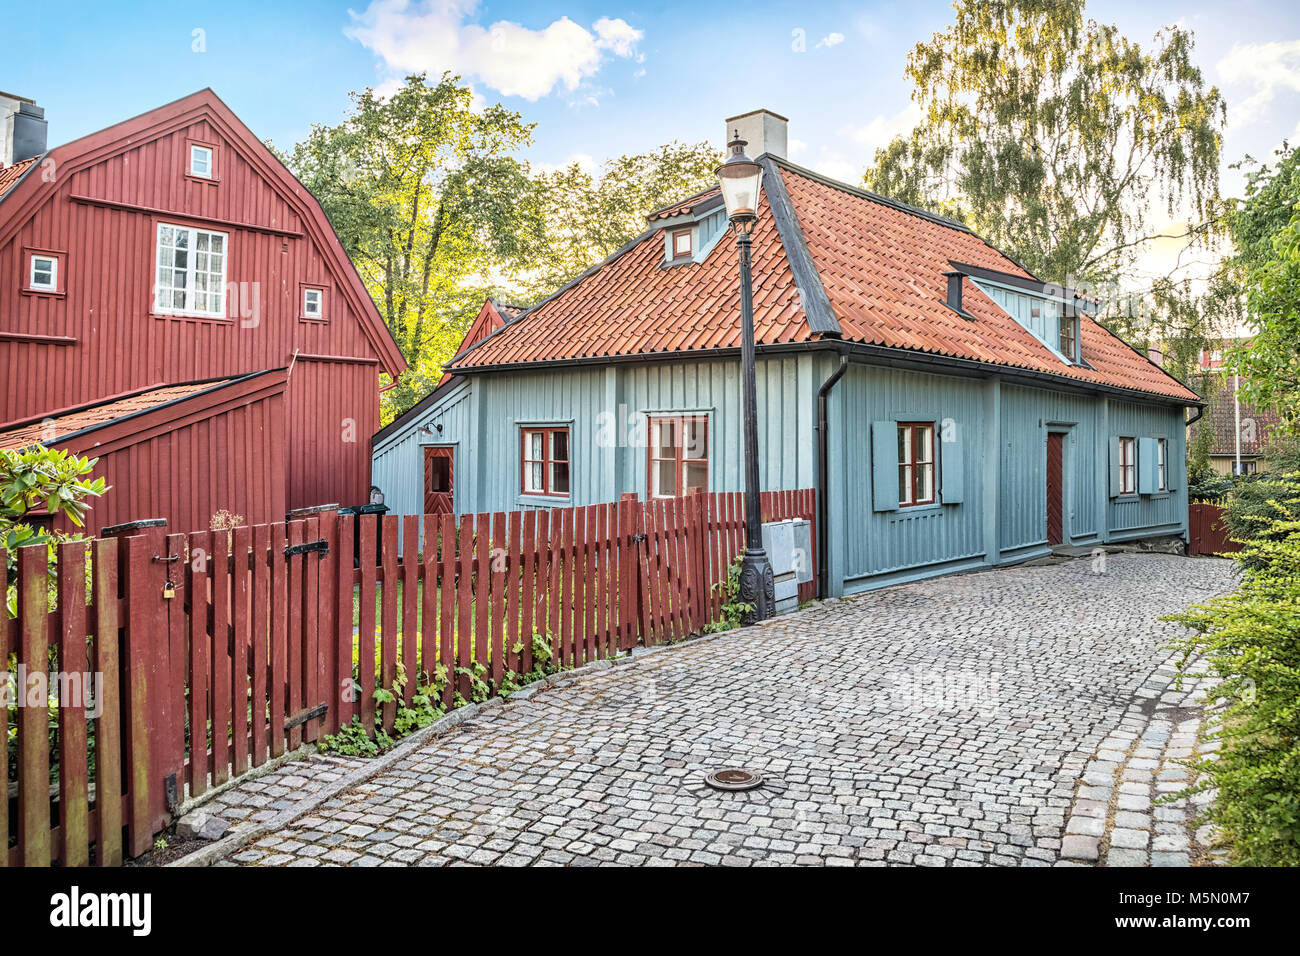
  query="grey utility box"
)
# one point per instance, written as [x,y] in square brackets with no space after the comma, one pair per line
[779,543]
[803,554]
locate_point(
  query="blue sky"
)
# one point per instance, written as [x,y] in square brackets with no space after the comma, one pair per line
[600,77]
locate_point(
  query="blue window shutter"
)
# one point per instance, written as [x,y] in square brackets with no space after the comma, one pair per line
[951,473]
[1116,480]
[884,466]
[1146,466]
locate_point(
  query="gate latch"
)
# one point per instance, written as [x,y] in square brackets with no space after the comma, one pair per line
[321,547]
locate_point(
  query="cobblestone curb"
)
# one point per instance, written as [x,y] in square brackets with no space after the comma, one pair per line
[1118,817]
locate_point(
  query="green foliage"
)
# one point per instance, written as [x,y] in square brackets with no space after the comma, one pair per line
[430,202]
[1059,140]
[733,609]
[590,216]
[353,741]
[1265,230]
[1251,639]
[39,479]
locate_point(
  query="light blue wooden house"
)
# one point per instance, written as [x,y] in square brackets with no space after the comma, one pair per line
[951,410]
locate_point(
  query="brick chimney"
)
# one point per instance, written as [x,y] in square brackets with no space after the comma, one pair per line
[23,129]
[764,131]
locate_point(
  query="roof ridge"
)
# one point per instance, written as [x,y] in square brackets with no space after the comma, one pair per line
[816,304]
[873,197]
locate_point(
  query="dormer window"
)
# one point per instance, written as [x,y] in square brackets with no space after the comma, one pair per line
[201,161]
[1070,337]
[682,244]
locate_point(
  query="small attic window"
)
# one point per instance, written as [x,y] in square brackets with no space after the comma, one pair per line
[681,240]
[201,161]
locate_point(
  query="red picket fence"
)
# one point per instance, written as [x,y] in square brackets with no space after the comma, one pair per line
[1207,531]
[222,650]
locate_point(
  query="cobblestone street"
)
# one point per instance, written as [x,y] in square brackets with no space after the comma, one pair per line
[965,720]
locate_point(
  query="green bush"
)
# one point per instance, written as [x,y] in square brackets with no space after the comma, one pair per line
[1251,639]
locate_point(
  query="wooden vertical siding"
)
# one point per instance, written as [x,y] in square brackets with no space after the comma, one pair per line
[101,212]
[606,410]
[873,542]
[228,460]
[1164,513]
[1001,430]
[1027,415]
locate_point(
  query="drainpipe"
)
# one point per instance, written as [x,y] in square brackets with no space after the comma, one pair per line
[823,469]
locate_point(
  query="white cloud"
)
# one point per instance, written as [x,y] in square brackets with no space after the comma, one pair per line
[1266,68]
[796,147]
[881,130]
[433,35]
[831,39]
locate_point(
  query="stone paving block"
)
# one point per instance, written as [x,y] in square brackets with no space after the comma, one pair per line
[606,766]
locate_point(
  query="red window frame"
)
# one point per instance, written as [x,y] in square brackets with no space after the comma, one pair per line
[1127,466]
[548,460]
[912,470]
[690,245]
[679,459]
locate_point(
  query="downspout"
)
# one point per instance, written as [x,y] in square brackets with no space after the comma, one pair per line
[823,470]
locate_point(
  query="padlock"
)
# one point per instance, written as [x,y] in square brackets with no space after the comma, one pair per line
[169,591]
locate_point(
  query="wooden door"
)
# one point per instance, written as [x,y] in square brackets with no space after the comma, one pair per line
[439,474]
[1055,496]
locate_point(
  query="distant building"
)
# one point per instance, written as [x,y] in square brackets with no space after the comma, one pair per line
[1241,431]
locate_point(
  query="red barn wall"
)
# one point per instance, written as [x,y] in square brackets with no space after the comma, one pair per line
[103,219]
[231,460]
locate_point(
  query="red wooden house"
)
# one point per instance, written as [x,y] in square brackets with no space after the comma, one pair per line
[174,301]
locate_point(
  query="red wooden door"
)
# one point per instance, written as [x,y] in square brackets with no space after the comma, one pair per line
[439,473]
[1055,517]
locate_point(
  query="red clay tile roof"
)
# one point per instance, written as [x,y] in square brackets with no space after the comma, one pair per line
[11,174]
[882,266]
[49,430]
[705,198]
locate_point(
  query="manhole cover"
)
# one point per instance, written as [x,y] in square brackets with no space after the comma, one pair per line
[733,780]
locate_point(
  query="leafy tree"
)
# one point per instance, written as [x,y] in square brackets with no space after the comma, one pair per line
[1058,139]
[1251,640]
[41,479]
[432,205]
[588,216]
[1265,266]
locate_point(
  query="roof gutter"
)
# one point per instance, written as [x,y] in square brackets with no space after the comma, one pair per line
[823,474]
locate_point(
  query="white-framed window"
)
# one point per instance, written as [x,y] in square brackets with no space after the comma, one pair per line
[201,161]
[1128,466]
[682,244]
[43,275]
[191,271]
[1162,457]
[313,303]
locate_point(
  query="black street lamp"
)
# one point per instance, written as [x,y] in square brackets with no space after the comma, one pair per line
[741,179]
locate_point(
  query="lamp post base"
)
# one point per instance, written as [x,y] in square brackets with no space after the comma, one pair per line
[757,586]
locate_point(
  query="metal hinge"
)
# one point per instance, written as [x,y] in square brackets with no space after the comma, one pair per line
[321,546]
[320,710]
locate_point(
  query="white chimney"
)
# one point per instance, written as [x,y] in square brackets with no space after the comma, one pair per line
[763,130]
